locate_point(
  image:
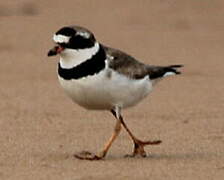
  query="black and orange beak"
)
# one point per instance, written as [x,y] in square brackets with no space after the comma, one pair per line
[55,50]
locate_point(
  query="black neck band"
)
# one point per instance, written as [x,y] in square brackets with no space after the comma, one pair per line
[87,68]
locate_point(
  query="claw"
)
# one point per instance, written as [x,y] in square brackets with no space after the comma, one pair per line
[139,147]
[85,155]
[144,143]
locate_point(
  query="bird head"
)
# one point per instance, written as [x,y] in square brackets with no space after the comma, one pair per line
[71,39]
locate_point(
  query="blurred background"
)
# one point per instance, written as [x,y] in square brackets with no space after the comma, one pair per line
[40,128]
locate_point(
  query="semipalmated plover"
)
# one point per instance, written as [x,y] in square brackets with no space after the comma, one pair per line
[102,78]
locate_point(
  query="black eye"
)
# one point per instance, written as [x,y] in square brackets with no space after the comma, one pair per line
[79,42]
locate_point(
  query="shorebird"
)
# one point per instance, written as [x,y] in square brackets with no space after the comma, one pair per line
[98,77]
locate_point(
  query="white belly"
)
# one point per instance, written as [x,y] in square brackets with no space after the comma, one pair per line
[106,90]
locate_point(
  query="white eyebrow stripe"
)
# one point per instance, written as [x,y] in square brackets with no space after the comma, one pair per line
[61,38]
[83,34]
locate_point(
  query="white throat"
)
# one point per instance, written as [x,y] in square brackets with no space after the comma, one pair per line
[70,58]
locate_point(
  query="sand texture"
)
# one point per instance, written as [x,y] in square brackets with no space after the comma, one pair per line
[41,128]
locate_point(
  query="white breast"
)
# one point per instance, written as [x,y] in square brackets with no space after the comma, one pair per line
[106,90]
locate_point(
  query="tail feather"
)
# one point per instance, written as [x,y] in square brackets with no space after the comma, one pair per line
[172,69]
[163,71]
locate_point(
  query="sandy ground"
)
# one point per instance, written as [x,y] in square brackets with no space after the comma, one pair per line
[41,129]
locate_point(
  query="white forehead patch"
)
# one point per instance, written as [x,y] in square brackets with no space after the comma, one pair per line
[83,34]
[61,38]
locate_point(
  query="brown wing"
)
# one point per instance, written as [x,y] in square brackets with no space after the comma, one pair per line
[129,66]
[126,64]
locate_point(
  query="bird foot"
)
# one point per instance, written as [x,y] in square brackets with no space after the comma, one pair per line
[139,147]
[144,143]
[85,155]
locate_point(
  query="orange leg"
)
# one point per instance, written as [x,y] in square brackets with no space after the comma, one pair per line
[85,155]
[138,144]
